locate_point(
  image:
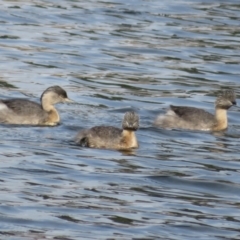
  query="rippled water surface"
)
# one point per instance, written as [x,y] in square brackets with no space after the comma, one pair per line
[112,56]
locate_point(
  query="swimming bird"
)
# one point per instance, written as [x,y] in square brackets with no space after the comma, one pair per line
[23,111]
[198,119]
[111,137]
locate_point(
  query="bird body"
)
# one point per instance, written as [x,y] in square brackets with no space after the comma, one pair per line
[198,119]
[111,137]
[23,111]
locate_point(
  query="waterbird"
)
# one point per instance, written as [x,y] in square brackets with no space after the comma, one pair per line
[23,111]
[198,119]
[109,137]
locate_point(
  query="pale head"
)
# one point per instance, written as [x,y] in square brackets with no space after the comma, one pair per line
[226,99]
[130,121]
[54,95]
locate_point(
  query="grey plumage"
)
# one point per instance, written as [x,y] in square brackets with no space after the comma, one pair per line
[102,135]
[60,93]
[111,137]
[130,121]
[195,118]
[226,99]
[23,111]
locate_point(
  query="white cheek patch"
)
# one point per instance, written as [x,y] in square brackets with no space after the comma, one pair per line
[171,113]
[3,106]
[205,129]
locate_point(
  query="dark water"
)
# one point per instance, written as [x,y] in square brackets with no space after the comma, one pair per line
[112,57]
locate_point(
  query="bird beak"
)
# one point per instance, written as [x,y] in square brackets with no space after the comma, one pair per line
[67,100]
[235,105]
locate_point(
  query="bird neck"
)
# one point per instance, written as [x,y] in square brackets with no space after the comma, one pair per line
[53,116]
[130,138]
[46,105]
[221,119]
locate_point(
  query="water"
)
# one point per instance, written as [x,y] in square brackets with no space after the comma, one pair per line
[112,56]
